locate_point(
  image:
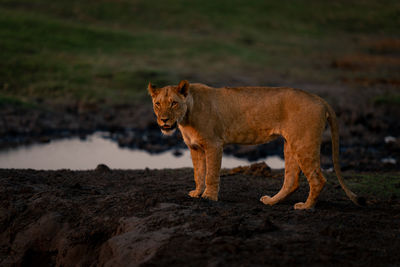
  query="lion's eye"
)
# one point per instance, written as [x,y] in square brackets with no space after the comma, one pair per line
[174,104]
[158,104]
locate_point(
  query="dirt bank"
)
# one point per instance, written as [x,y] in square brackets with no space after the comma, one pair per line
[126,218]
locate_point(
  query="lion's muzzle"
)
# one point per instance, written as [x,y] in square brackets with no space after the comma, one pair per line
[166,129]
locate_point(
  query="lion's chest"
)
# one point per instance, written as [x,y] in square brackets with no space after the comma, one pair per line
[191,137]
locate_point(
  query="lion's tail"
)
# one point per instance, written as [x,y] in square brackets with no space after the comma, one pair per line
[335,155]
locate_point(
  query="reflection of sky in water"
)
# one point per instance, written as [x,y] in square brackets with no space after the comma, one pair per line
[79,154]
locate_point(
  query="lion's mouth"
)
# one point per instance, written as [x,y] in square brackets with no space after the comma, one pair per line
[167,128]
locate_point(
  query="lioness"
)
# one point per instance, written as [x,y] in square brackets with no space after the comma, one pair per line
[210,118]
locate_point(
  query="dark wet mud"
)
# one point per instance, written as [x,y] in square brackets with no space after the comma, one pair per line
[144,217]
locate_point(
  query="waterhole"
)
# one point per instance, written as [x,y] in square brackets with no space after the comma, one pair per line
[78,154]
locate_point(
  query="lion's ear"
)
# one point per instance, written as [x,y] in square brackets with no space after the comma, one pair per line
[152,90]
[183,88]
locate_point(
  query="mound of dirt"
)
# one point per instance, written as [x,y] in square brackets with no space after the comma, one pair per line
[110,217]
[256,169]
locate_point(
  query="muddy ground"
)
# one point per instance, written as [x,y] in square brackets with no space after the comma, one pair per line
[109,217]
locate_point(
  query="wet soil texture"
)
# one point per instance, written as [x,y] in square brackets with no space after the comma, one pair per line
[144,217]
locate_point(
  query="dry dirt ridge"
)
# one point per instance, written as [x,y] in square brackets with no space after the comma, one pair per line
[109,217]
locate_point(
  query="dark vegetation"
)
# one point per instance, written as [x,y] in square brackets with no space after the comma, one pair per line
[107,51]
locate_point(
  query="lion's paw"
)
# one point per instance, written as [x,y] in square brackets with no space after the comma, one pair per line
[267,200]
[210,195]
[302,206]
[195,193]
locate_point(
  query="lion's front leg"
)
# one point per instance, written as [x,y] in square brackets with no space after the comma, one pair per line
[213,166]
[199,167]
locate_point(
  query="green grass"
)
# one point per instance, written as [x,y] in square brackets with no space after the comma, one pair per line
[109,50]
[387,99]
[382,186]
[12,100]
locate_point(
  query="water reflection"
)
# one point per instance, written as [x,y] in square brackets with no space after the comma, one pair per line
[78,154]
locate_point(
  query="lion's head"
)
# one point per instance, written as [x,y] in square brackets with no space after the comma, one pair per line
[169,104]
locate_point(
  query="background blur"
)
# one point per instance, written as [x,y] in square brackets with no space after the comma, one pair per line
[72,67]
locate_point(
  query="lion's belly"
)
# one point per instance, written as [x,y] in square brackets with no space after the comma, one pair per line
[251,137]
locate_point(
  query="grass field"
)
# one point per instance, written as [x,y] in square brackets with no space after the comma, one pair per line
[107,51]
[383,186]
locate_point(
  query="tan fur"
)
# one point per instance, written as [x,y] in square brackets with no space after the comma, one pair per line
[210,118]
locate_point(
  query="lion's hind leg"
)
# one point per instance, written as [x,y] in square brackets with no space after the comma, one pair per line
[291,181]
[312,170]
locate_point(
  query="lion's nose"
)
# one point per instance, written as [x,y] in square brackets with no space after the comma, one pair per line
[164,120]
